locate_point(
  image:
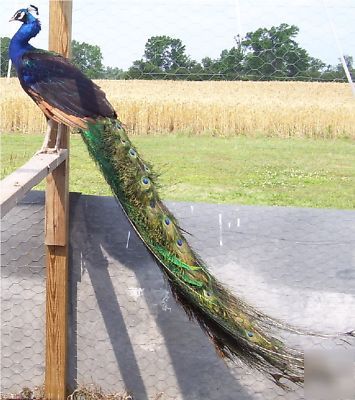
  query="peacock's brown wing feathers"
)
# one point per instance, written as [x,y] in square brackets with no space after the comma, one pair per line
[61,90]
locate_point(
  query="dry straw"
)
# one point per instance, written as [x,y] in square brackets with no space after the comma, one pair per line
[282,109]
[83,392]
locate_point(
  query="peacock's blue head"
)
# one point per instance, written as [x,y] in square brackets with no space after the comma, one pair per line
[26,15]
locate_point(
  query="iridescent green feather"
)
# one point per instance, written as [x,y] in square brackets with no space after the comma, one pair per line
[237,329]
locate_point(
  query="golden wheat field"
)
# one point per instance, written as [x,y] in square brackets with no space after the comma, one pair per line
[283,109]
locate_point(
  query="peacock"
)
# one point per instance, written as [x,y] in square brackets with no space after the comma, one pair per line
[66,96]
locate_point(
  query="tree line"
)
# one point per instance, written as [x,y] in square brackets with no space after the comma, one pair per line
[265,54]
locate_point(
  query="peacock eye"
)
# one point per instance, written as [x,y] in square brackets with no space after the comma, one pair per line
[179,242]
[208,293]
[132,153]
[167,221]
[250,334]
[146,168]
[145,181]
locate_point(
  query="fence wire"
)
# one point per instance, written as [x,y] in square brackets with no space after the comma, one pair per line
[126,332]
[229,68]
[205,40]
[223,68]
[22,297]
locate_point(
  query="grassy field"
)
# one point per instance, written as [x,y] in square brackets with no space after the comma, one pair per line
[272,171]
[223,109]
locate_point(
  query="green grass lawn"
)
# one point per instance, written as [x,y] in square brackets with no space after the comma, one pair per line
[262,171]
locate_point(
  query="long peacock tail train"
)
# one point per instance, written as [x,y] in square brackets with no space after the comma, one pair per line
[237,330]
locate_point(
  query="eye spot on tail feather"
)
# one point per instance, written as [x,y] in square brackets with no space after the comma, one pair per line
[132,153]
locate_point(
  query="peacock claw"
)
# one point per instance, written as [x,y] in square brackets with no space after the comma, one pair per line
[48,150]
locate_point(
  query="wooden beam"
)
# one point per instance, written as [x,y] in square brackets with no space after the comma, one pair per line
[57,231]
[16,185]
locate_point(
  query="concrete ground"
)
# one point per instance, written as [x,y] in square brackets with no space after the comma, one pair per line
[126,330]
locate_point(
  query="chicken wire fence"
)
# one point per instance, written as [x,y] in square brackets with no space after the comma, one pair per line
[226,68]
[206,40]
[126,331]
[22,298]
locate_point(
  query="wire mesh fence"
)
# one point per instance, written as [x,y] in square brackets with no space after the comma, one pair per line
[229,68]
[126,332]
[204,40]
[22,298]
[226,68]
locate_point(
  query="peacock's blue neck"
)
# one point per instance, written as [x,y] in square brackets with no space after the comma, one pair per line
[19,43]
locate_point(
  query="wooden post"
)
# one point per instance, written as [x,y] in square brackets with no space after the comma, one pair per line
[57,230]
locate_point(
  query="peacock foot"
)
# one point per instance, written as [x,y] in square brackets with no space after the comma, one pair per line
[48,150]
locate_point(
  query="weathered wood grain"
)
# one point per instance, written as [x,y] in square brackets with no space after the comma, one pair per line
[16,185]
[56,232]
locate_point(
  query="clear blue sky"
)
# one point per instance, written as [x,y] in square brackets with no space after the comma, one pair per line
[121,27]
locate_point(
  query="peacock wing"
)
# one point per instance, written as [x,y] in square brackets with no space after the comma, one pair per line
[61,90]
